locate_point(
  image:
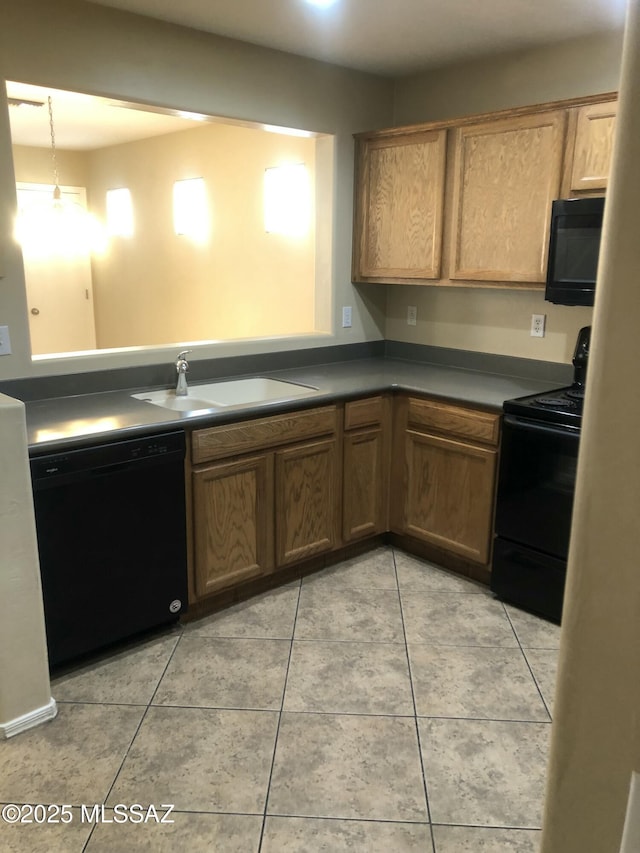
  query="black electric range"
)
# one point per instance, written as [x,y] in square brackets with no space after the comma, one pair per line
[536,484]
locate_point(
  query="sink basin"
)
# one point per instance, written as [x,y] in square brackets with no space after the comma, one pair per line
[168,400]
[237,392]
[234,392]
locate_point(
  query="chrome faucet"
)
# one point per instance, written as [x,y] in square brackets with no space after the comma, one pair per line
[182,365]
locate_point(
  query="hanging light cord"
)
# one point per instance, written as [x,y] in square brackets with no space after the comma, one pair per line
[56,189]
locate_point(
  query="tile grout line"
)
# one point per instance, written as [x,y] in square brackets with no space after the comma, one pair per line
[280,712]
[317,713]
[135,734]
[164,671]
[481,719]
[415,709]
[291,640]
[526,660]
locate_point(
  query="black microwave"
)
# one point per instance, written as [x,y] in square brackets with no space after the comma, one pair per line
[574,247]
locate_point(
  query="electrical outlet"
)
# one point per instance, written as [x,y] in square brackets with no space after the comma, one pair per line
[5,341]
[537,325]
[412,315]
[346,316]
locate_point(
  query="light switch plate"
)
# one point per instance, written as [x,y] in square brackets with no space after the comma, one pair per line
[412,315]
[346,316]
[5,341]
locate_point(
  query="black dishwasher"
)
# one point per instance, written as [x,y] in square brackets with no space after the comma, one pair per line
[111,528]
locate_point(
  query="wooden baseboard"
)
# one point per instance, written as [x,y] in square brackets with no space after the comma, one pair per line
[441,558]
[226,598]
[222,600]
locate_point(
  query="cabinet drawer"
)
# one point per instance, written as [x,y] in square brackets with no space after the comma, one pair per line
[361,413]
[455,421]
[246,436]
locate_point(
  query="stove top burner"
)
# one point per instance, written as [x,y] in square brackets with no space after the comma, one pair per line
[575,393]
[554,402]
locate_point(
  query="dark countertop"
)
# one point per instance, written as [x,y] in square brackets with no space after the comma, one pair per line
[57,423]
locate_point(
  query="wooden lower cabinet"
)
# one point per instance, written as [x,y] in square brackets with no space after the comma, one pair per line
[428,476]
[363,484]
[365,472]
[233,522]
[306,500]
[445,466]
[264,494]
[449,494]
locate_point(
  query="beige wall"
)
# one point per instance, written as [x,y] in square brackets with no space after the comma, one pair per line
[158,288]
[80,46]
[495,321]
[33,165]
[24,672]
[584,66]
[241,282]
[596,729]
[498,321]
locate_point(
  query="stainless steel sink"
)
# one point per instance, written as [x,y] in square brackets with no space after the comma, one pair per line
[234,392]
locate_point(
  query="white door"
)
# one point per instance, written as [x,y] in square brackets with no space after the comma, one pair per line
[57,267]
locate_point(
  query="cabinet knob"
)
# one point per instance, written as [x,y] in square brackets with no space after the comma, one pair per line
[35,311]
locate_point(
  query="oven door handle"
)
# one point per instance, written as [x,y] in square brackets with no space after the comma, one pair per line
[547,429]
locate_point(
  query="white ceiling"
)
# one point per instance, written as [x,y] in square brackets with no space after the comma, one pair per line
[82,122]
[389,37]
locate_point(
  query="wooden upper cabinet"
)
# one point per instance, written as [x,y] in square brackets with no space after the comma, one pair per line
[507,173]
[399,207]
[593,147]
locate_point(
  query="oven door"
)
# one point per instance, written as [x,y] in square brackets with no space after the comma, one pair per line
[536,485]
[528,579]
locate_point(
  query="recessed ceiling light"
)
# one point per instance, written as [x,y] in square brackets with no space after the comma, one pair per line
[321,3]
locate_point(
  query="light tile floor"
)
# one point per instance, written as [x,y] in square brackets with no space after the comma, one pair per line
[380,705]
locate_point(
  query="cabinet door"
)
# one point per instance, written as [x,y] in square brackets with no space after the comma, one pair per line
[399,199]
[449,499]
[507,173]
[306,500]
[364,483]
[233,522]
[593,147]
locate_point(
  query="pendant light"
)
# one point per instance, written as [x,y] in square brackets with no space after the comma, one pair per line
[61,227]
[57,195]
